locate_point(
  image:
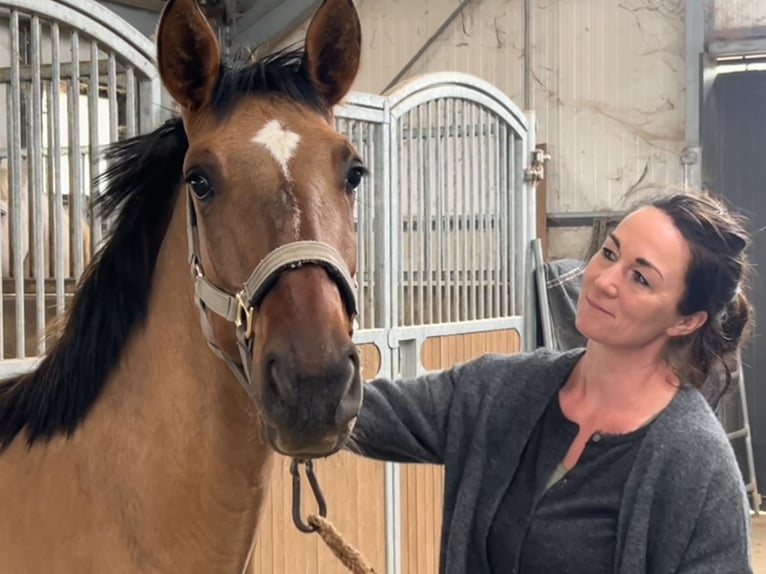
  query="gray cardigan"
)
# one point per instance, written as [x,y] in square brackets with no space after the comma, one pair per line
[684,507]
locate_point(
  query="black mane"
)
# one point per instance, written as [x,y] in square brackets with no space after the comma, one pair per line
[142,183]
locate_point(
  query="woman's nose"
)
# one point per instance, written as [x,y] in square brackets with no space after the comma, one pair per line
[607,281]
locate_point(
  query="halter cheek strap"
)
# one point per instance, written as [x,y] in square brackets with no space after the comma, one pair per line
[240,307]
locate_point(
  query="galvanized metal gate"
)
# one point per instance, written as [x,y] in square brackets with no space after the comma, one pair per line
[73,77]
[445,221]
[445,228]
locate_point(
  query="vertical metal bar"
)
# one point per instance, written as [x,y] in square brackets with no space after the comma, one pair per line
[494,202]
[410,189]
[425,143]
[454,268]
[474,215]
[370,194]
[364,218]
[465,211]
[36,195]
[75,165]
[448,191]
[386,237]
[515,179]
[529,210]
[504,191]
[112,95]
[479,192]
[57,247]
[130,102]
[150,95]
[93,147]
[422,232]
[14,179]
[5,241]
[114,132]
[442,235]
[48,91]
[400,166]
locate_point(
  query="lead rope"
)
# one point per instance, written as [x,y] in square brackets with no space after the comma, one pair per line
[347,554]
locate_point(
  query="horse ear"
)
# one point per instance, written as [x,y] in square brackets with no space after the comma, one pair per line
[187,54]
[333,48]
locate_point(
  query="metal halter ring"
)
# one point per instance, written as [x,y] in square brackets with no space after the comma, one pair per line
[295,471]
[245,314]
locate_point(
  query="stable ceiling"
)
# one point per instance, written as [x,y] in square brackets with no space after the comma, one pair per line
[251,21]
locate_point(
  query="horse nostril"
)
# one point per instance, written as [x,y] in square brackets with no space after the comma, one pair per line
[354,359]
[348,407]
[276,379]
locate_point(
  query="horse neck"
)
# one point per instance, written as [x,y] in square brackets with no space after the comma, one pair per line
[193,430]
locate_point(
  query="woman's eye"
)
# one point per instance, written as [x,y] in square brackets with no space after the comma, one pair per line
[608,253]
[640,279]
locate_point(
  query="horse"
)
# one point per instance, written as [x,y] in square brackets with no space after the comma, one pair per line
[213,330]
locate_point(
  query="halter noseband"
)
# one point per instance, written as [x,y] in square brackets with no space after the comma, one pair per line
[240,307]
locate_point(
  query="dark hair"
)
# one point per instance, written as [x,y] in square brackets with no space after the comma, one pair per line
[715,283]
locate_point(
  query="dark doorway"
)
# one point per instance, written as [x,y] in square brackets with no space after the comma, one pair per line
[734,165]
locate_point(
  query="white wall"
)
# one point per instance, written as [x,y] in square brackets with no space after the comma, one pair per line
[736,14]
[607,84]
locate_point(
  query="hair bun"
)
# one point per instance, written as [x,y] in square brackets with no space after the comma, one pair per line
[736,316]
[737,242]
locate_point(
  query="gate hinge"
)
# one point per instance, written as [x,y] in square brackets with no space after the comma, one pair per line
[535,173]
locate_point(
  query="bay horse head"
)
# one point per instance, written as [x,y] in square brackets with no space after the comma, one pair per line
[270,189]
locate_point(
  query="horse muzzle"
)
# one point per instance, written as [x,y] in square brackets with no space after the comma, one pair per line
[310,414]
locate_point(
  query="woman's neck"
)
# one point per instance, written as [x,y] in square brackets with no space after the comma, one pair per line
[629,385]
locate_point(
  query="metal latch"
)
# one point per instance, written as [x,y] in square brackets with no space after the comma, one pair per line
[535,173]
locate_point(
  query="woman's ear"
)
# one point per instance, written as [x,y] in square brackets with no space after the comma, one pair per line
[687,324]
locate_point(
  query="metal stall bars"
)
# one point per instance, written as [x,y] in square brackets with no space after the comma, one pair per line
[74,76]
[461,220]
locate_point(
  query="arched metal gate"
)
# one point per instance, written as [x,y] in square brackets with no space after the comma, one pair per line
[445,228]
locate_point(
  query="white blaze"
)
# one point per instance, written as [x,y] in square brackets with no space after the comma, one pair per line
[280,142]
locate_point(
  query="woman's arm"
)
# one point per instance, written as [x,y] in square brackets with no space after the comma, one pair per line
[405,420]
[720,542]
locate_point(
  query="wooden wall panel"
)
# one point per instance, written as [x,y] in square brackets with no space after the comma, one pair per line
[354,490]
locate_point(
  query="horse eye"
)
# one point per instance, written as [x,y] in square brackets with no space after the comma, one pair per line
[354,176]
[199,184]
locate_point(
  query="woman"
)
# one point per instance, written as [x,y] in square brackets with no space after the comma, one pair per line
[603,459]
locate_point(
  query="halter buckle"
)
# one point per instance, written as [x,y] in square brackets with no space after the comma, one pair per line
[245,314]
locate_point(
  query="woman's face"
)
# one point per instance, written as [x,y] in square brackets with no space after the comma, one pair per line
[633,285]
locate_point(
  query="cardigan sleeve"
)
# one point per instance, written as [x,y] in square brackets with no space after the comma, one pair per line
[405,420]
[430,417]
[720,542]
